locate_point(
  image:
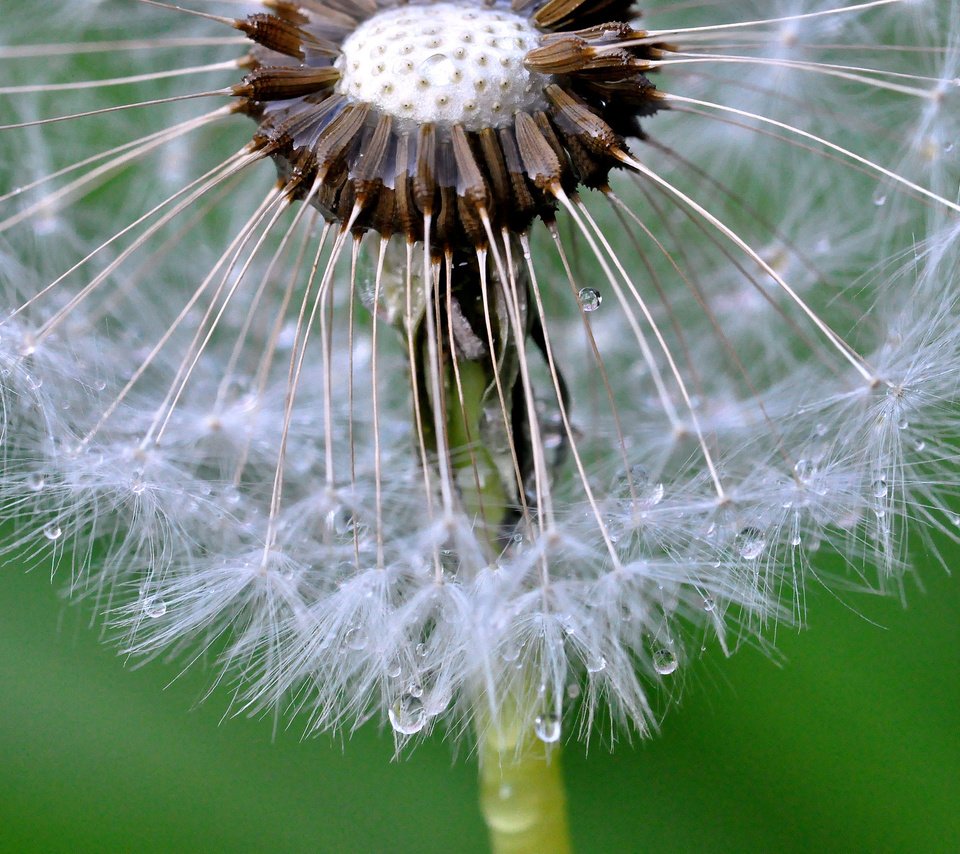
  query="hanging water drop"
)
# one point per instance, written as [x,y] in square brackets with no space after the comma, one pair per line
[355,639]
[665,662]
[407,715]
[547,728]
[52,531]
[154,607]
[750,543]
[596,664]
[36,481]
[880,488]
[590,299]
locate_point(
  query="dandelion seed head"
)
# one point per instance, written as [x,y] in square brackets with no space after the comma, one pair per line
[492,388]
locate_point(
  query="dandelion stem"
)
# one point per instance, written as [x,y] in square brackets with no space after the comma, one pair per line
[521,791]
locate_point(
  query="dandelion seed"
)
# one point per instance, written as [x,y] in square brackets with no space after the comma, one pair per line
[304,339]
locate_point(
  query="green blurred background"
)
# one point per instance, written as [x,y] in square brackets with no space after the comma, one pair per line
[852,745]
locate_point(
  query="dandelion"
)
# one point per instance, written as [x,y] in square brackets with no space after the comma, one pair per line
[466,364]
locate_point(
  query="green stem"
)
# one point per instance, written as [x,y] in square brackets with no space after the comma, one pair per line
[521,792]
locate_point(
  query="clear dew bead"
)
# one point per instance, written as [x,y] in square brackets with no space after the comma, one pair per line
[709,604]
[590,299]
[880,488]
[665,662]
[355,639]
[36,481]
[154,607]
[547,728]
[596,665]
[750,543]
[52,531]
[407,715]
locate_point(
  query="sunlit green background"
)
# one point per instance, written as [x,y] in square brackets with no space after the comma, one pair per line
[853,745]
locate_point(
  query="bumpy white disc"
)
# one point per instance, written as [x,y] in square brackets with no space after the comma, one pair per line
[445,63]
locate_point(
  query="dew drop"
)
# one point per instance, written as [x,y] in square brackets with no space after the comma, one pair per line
[955,519]
[414,689]
[709,604]
[510,653]
[573,690]
[879,198]
[438,70]
[665,662]
[154,607]
[52,531]
[395,668]
[646,492]
[803,469]
[421,650]
[355,639]
[880,488]
[547,728]
[597,664]
[919,445]
[407,715]
[36,481]
[137,486]
[590,299]
[750,543]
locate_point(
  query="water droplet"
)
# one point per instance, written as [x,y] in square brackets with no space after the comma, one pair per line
[803,469]
[395,668]
[750,543]
[647,494]
[955,519]
[511,652]
[573,690]
[36,481]
[590,299]
[879,198]
[708,604]
[355,639]
[52,531]
[421,650]
[919,445]
[154,607]
[880,488]
[414,688]
[795,540]
[407,715]
[595,665]
[665,662]
[438,70]
[137,486]
[547,728]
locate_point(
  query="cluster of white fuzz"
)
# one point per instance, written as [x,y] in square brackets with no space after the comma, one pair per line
[315,611]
